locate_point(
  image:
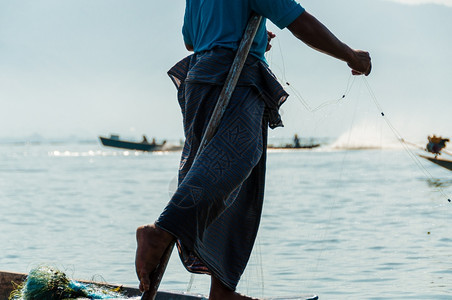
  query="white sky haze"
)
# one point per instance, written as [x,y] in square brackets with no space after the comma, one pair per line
[86,68]
[416,2]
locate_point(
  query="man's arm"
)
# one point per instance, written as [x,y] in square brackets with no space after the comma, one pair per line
[314,34]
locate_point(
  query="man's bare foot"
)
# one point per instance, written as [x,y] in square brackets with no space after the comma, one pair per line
[151,243]
[219,292]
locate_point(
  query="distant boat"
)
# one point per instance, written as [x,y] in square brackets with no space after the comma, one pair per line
[290,146]
[114,141]
[439,161]
[296,144]
[435,146]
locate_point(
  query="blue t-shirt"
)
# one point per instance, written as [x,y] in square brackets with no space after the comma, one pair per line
[211,23]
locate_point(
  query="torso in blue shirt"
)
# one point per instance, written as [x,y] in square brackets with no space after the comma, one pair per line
[212,23]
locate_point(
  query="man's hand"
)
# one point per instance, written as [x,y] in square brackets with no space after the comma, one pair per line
[360,63]
[270,36]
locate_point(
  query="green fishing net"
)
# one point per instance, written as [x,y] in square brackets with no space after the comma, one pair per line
[48,283]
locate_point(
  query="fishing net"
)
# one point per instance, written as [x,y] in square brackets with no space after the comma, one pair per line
[48,283]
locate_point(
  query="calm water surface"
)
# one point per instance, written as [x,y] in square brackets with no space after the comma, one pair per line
[342,224]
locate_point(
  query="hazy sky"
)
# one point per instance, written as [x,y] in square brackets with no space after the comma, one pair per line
[95,67]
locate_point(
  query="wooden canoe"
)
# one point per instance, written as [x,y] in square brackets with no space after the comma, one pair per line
[10,280]
[115,142]
[292,147]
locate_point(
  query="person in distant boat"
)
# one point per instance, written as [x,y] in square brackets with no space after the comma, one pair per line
[296,141]
[436,144]
[145,140]
[215,212]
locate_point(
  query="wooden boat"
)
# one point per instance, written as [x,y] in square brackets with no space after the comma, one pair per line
[10,280]
[439,161]
[296,144]
[114,141]
[290,146]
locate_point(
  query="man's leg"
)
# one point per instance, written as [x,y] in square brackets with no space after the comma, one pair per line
[219,292]
[151,243]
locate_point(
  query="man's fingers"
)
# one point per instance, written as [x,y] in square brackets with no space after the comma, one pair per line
[270,34]
[368,70]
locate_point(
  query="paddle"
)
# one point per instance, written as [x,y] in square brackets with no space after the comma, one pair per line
[220,108]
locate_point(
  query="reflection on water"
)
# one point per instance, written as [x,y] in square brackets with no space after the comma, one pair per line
[340,224]
[439,182]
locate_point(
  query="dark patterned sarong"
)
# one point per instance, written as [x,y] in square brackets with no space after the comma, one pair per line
[215,212]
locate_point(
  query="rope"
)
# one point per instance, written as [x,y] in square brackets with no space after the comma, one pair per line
[285,83]
[402,141]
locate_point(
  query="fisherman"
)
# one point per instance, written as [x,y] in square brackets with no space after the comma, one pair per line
[296,141]
[215,212]
[436,144]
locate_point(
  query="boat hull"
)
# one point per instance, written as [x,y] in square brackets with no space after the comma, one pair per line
[291,147]
[440,162]
[115,143]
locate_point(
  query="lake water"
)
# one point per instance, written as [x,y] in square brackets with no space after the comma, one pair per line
[362,224]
